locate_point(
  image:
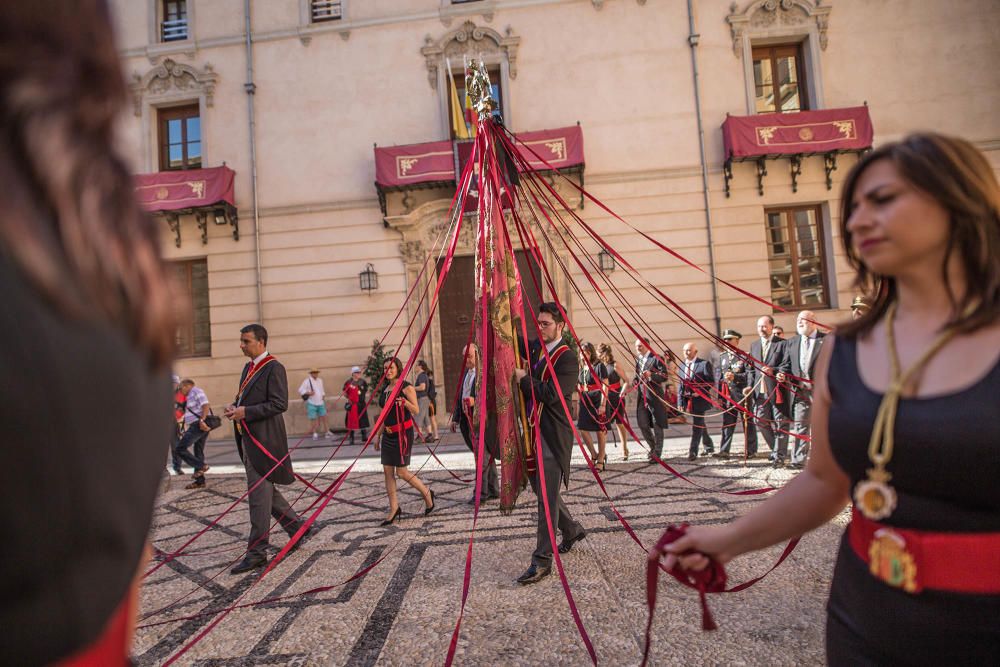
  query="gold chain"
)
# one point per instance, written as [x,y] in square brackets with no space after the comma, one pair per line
[881,444]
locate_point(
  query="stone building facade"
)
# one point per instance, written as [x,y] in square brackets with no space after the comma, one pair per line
[650,82]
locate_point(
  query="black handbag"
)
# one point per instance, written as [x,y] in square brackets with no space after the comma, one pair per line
[212,421]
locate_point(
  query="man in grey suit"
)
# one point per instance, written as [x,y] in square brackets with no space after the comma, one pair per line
[257,415]
[770,403]
[801,352]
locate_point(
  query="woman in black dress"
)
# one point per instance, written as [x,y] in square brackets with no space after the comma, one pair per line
[593,404]
[397,437]
[615,411]
[905,420]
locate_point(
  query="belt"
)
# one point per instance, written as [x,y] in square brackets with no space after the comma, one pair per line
[917,559]
[396,428]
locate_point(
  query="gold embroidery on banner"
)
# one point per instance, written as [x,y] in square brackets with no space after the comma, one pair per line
[197,187]
[162,193]
[846,128]
[405,164]
[890,561]
[556,146]
[764,135]
[807,133]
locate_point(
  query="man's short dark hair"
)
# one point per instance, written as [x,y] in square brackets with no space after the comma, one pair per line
[552,309]
[259,332]
[769,319]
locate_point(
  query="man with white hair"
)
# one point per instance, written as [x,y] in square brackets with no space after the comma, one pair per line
[694,397]
[801,352]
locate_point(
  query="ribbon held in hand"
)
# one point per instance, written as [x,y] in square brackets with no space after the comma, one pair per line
[710,580]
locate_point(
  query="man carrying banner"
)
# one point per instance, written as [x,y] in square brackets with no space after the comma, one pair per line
[555,445]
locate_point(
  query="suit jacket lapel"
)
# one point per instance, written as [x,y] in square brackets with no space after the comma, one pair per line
[251,383]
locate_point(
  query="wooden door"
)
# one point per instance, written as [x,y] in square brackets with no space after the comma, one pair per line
[455,313]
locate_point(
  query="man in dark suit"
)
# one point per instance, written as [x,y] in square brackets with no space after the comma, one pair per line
[552,453]
[257,416]
[731,380]
[801,352]
[770,405]
[651,404]
[460,418]
[696,378]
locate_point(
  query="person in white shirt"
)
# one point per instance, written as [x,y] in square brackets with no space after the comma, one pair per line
[314,395]
[195,432]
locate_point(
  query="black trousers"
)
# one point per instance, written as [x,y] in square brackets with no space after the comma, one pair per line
[731,420]
[773,425]
[699,433]
[650,427]
[491,481]
[266,502]
[561,519]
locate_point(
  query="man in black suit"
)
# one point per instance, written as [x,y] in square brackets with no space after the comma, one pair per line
[770,403]
[552,453]
[801,353]
[731,380]
[651,404]
[257,416]
[696,378]
[460,418]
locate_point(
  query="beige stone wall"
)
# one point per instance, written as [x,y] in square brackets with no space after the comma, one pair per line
[326,93]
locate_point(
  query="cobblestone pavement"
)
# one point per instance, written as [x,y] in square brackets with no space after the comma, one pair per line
[404,609]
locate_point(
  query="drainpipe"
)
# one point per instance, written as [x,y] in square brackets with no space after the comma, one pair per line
[251,89]
[693,43]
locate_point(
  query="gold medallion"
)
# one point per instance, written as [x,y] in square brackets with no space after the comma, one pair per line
[874,497]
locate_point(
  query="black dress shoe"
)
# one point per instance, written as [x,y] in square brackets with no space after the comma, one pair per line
[566,545]
[534,574]
[721,455]
[428,510]
[249,562]
[692,457]
[778,463]
[391,520]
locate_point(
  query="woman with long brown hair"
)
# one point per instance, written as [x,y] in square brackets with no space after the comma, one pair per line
[87,303]
[905,420]
[396,438]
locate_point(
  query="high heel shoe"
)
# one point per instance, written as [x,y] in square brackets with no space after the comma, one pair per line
[428,510]
[600,464]
[391,520]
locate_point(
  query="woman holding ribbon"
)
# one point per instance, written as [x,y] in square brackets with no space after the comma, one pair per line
[397,436]
[616,406]
[593,404]
[905,420]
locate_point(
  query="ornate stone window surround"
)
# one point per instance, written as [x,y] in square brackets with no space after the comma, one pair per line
[307,28]
[171,84]
[766,22]
[470,41]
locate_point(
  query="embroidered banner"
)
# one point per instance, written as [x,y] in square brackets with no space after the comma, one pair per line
[820,131]
[188,188]
[399,166]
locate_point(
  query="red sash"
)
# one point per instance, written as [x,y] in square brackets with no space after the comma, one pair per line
[396,428]
[252,374]
[554,355]
[917,559]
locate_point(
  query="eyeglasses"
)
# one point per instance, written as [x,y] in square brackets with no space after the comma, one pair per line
[543,324]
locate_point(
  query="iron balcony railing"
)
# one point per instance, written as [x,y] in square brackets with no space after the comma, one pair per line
[175,30]
[327,10]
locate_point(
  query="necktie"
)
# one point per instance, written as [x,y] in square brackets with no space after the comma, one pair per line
[765,345]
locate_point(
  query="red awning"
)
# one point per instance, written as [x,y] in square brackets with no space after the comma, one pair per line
[401,166]
[803,133]
[185,189]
